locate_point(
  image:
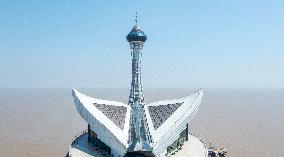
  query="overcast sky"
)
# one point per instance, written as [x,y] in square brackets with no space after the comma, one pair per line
[191,43]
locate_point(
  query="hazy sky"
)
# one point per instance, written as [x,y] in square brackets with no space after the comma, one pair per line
[191,43]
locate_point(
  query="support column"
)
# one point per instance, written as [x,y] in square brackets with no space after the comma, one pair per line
[89,133]
[186,131]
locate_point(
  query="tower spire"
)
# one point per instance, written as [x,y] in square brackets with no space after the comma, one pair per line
[136,18]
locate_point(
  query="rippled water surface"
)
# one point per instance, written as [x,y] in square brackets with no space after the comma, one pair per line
[43,122]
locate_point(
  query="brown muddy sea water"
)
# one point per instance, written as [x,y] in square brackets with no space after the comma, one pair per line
[43,122]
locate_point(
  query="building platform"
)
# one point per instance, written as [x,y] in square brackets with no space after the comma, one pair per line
[194,147]
[81,147]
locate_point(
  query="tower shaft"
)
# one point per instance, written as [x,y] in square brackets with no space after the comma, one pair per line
[139,136]
[136,92]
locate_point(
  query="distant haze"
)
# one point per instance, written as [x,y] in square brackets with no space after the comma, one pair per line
[190,43]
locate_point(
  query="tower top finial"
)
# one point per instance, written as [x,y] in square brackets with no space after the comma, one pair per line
[136,20]
[136,34]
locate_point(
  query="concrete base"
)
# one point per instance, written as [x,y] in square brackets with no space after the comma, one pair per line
[82,148]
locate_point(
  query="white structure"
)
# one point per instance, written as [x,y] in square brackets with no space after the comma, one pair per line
[137,128]
[191,148]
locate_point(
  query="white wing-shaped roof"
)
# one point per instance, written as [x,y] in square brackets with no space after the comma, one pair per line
[109,119]
[167,119]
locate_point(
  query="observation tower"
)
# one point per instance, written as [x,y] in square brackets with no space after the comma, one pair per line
[139,135]
[136,129]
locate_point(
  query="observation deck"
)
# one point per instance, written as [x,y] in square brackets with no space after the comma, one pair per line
[136,34]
